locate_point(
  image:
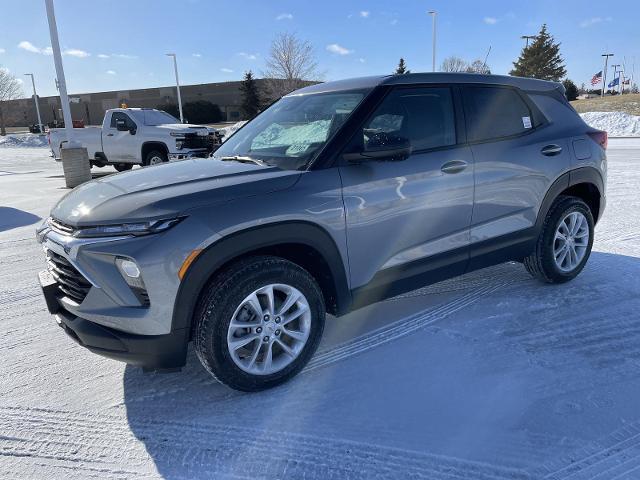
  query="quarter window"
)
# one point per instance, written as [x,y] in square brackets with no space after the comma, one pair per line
[424,116]
[494,112]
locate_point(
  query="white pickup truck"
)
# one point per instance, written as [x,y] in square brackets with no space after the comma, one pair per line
[139,136]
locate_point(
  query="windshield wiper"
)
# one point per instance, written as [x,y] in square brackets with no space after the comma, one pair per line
[238,158]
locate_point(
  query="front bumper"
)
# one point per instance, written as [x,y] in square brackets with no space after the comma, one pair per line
[173,157]
[152,352]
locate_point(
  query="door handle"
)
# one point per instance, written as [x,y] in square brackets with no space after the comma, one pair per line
[551,150]
[454,166]
[109,134]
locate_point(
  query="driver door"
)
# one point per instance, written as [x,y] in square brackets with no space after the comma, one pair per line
[408,219]
[120,146]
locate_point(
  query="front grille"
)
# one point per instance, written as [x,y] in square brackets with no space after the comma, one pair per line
[61,228]
[70,281]
[194,141]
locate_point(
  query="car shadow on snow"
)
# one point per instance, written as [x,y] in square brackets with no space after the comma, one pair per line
[13,218]
[192,426]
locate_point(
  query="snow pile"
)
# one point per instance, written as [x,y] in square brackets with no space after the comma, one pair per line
[231,129]
[24,140]
[616,124]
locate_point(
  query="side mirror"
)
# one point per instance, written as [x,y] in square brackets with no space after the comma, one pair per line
[392,149]
[121,126]
[132,130]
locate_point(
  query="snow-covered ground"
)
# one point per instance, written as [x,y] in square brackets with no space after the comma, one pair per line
[488,376]
[617,124]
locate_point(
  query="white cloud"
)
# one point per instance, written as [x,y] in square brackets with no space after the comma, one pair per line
[2,50]
[102,55]
[364,13]
[47,51]
[361,60]
[338,49]
[248,56]
[594,21]
[284,16]
[490,20]
[124,55]
[19,81]
[29,47]
[74,52]
[394,21]
[226,70]
[111,72]
[197,55]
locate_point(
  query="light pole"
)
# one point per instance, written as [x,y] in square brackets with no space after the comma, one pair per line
[35,99]
[433,14]
[604,72]
[57,60]
[175,68]
[527,38]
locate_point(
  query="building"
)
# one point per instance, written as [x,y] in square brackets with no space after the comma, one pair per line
[90,107]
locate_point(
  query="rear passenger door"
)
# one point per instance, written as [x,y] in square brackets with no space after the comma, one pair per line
[517,155]
[409,217]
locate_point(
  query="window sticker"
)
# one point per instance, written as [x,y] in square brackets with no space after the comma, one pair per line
[526,122]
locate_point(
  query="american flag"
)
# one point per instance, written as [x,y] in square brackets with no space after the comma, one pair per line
[596,78]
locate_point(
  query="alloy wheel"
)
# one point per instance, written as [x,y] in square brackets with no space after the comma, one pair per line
[571,241]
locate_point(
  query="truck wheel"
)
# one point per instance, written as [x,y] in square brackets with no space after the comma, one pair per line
[258,323]
[155,157]
[123,167]
[564,244]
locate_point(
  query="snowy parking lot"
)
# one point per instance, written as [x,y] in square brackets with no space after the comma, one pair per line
[487,376]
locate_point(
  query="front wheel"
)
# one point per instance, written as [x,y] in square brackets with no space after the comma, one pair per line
[258,323]
[565,242]
[123,167]
[155,157]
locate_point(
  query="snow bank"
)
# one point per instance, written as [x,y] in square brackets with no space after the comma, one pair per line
[27,140]
[616,124]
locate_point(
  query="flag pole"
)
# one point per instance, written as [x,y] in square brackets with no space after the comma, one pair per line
[604,72]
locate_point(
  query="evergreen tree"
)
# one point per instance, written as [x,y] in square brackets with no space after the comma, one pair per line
[570,90]
[402,68]
[541,59]
[251,101]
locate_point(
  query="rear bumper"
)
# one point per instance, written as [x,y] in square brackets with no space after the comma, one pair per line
[158,352]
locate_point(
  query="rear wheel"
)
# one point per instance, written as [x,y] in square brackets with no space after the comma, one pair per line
[123,167]
[259,323]
[565,242]
[155,157]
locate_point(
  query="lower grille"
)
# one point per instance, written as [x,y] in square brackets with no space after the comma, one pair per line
[194,141]
[70,281]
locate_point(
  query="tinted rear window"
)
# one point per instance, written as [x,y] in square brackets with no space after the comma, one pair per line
[495,112]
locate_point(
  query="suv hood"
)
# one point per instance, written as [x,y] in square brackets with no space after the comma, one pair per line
[165,190]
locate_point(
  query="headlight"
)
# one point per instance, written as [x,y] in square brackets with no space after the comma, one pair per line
[141,228]
[179,143]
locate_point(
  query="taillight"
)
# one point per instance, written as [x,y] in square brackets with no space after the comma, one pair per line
[600,137]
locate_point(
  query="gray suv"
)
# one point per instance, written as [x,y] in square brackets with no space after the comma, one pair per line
[338,195]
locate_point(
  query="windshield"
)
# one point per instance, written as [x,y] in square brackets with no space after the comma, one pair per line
[292,132]
[157,117]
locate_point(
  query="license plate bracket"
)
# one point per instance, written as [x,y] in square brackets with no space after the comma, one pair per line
[49,290]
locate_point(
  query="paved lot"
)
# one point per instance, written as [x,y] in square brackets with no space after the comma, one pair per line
[487,376]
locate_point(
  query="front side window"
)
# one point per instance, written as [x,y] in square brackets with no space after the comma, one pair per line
[121,116]
[423,117]
[291,133]
[494,112]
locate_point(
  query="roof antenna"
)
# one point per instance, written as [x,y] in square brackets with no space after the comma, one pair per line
[484,65]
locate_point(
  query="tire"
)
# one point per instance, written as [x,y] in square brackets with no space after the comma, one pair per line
[155,157]
[224,299]
[542,263]
[123,167]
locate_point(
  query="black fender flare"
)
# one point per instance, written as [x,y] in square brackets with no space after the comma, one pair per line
[158,143]
[566,180]
[235,245]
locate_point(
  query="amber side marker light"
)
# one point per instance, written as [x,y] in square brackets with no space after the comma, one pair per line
[187,263]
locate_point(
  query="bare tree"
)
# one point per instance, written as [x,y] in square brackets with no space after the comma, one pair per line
[9,89]
[478,66]
[291,65]
[454,64]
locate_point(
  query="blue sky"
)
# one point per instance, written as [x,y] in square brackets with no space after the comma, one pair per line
[120,44]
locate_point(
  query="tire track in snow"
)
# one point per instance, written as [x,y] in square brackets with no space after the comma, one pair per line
[189,449]
[398,329]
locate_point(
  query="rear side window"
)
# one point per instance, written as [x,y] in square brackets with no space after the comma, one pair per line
[424,116]
[495,112]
